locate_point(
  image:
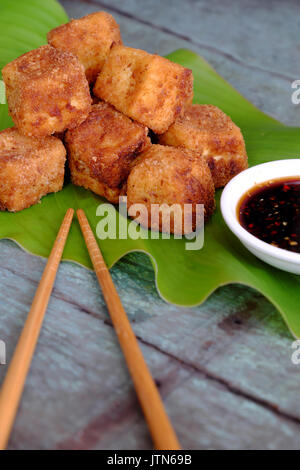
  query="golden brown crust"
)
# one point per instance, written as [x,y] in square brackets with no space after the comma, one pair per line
[225,167]
[89,38]
[172,176]
[81,177]
[211,133]
[105,145]
[148,88]
[46,91]
[30,168]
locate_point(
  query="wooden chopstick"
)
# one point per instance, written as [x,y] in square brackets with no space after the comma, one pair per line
[14,381]
[159,424]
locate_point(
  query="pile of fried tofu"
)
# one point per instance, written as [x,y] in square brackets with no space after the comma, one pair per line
[88,98]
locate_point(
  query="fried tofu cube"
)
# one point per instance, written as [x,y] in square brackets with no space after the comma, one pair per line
[148,88]
[102,148]
[46,91]
[212,134]
[30,168]
[89,38]
[169,176]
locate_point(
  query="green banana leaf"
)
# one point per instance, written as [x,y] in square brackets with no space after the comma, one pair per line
[182,277]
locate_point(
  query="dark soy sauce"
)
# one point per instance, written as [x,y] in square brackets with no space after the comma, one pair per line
[271,212]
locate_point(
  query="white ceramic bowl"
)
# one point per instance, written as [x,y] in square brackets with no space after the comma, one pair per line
[232,193]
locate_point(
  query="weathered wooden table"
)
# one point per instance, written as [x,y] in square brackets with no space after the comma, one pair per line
[224,369]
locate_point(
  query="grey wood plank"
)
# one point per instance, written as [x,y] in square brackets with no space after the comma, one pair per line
[73,400]
[209,358]
[235,320]
[206,417]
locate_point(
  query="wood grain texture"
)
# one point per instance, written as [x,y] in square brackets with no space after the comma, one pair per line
[223,368]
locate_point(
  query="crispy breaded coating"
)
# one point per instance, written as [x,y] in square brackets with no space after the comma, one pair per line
[46,91]
[167,175]
[148,88]
[102,149]
[30,168]
[210,132]
[89,38]
[81,176]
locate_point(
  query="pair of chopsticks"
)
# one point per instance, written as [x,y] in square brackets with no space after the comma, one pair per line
[161,430]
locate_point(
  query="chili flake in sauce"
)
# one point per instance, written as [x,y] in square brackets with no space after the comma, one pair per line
[271,212]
